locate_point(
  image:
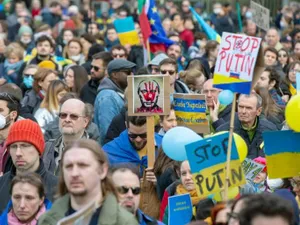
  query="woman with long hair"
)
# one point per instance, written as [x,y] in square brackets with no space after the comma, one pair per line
[284,59]
[26,190]
[49,107]
[288,86]
[76,77]
[194,79]
[74,51]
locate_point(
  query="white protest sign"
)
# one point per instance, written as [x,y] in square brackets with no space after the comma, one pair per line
[251,168]
[260,15]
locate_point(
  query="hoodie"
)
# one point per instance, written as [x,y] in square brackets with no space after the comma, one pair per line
[109,103]
[157,60]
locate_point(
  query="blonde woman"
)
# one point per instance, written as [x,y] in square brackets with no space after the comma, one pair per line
[49,107]
[194,79]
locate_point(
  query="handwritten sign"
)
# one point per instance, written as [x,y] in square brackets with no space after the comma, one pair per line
[236,62]
[190,112]
[180,209]
[298,82]
[282,149]
[207,160]
[251,168]
[260,15]
[126,31]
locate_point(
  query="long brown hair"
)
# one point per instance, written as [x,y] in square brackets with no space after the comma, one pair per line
[106,184]
[270,108]
[80,78]
[41,75]
[163,162]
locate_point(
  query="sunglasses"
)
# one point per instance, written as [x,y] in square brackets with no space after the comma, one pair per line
[96,68]
[282,55]
[171,72]
[124,190]
[134,136]
[72,116]
[28,75]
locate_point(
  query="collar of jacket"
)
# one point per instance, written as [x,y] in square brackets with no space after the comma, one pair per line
[59,140]
[143,218]
[109,210]
[41,170]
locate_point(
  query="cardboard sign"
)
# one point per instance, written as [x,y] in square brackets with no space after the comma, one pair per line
[207,160]
[148,95]
[180,209]
[126,31]
[298,82]
[81,217]
[260,15]
[251,168]
[236,63]
[190,112]
[282,149]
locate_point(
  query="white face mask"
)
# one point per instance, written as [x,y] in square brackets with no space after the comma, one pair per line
[2,121]
[217,10]
[76,58]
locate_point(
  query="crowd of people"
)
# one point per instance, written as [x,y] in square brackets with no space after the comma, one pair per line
[66,139]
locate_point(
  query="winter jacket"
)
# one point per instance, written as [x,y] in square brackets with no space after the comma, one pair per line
[120,150]
[44,117]
[52,152]
[50,18]
[111,212]
[144,219]
[4,216]
[88,92]
[116,127]
[164,180]
[52,131]
[181,87]
[109,103]
[31,101]
[50,182]
[254,145]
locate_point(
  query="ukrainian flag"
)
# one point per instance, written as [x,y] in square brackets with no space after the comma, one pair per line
[282,149]
[126,31]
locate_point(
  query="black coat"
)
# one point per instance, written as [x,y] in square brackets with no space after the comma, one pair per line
[116,127]
[89,92]
[50,182]
[31,101]
[254,149]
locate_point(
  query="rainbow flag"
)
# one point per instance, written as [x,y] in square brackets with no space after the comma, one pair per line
[126,31]
[282,149]
[208,30]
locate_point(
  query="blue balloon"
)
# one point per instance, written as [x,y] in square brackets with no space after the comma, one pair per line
[174,142]
[225,97]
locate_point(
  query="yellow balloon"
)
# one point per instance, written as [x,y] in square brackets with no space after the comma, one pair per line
[240,143]
[292,113]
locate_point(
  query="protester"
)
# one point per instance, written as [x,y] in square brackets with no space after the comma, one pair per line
[74,51]
[272,39]
[153,65]
[26,149]
[76,77]
[96,187]
[119,52]
[128,186]
[110,97]
[28,78]
[194,79]
[284,59]
[288,86]
[28,201]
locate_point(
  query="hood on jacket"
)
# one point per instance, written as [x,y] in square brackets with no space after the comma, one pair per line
[157,59]
[107,83]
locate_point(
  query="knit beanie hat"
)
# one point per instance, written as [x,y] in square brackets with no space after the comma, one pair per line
[24,29]
[262,161]
[27,131]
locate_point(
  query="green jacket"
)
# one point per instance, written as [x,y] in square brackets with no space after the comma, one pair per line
[111,213]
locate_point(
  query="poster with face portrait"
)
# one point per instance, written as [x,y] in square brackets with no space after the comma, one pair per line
[148,95]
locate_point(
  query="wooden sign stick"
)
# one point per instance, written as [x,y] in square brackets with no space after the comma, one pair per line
[150,141]
[227,168]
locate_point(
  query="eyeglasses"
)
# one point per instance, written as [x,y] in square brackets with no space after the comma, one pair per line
[28,75]
[171,72]
[96,68]
[124,190]
[72,116]
[134,136]
[284,55]
[9,97]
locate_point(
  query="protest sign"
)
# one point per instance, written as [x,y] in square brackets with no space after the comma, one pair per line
[238,57]
[81,217]
[260,15]
[126,31]
[207,160]
[148,95]
[251,168]
[282,149]
[298,82]
[190,112]
[180,209]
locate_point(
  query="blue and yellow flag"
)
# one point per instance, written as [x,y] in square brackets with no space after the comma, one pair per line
[282,149]
[126,31]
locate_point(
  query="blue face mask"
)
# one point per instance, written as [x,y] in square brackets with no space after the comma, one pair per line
[28,81]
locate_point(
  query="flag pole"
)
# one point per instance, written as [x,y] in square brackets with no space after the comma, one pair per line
[148,50]
[227,167]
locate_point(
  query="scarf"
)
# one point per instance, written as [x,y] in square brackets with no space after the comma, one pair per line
[12,66]
[180,190]
[13,220]
[293,90]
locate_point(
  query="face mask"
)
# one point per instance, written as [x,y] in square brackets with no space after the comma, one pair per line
[248,15]
[65,42]
[3,123]
[198,42]
[75,58]
[217,10]
[28,81]
[25,41]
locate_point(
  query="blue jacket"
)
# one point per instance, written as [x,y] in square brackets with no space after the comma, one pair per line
[120,150]
[108,104]
[3,217]
[144,219]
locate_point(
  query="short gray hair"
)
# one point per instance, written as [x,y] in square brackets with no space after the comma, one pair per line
[253,94]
